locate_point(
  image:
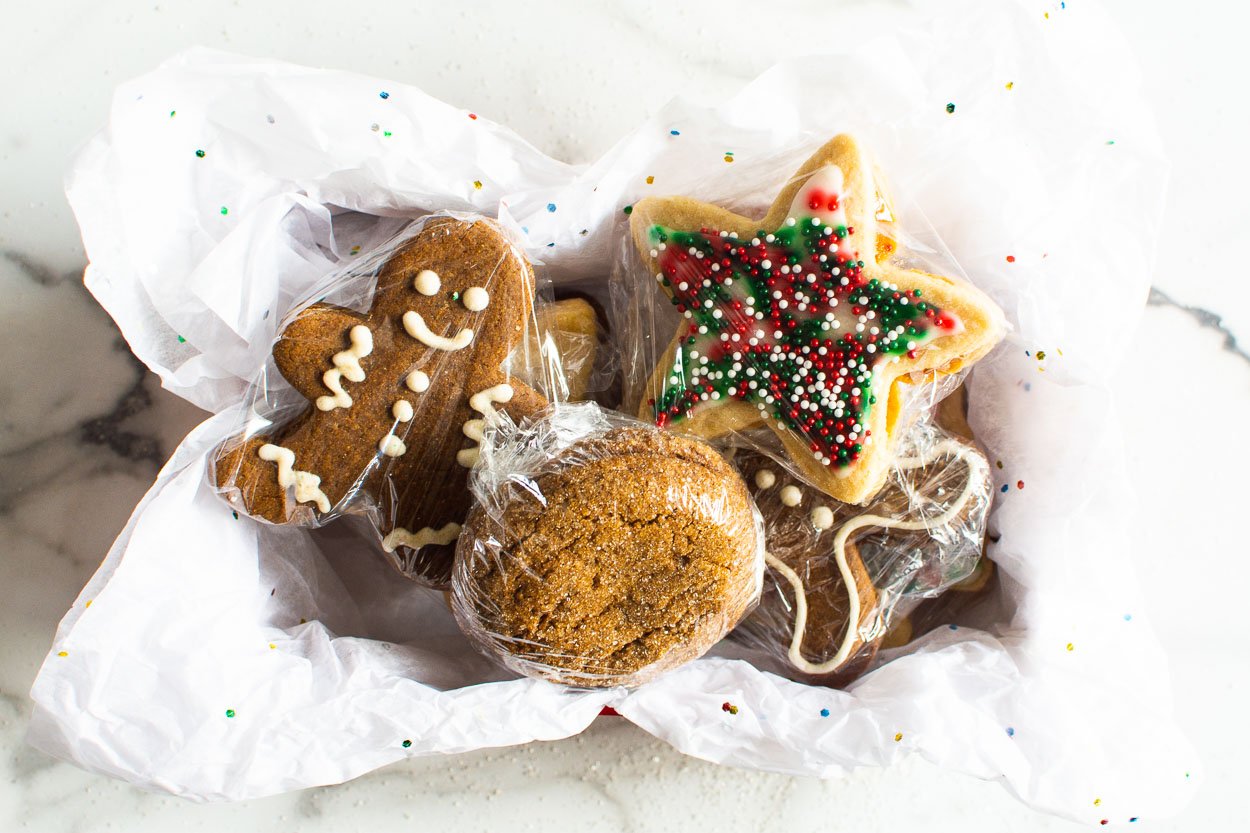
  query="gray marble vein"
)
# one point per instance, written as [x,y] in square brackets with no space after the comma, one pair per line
[1204,317]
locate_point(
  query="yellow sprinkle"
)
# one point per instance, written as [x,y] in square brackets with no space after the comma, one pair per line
[898,737]
[650,180]
[1010,84]
[729,159]
[1060,351]
[272,646]
[62,653]
[477,183]
[88,604]
[1070,646]
[1097,801]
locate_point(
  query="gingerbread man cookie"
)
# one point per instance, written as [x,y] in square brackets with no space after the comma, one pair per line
[805,320]
[398,397]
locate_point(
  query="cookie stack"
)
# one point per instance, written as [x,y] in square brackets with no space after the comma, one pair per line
[630,550]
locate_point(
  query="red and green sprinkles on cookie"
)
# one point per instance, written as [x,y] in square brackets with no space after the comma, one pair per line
[788,322]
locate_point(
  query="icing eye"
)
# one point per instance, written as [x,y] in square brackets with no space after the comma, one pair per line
[476,299]
[427,282]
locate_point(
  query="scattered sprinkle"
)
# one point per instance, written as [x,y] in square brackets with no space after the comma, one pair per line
[1028,386]
[181,340]
[235,513]
[355,249]
[88,603]
[1104,821]
[272,647]
[1011,258]
[473,116]
[1097,802]
[224,211]
[1004,489]
[729,156]
[173,113]
[1111,141]
[200,154]
[729,707]
[477,184]
[950,108]
[824,712]
[303,621]
[406,744]
[584,232]
[1010,84]
[386,133]
[998,463]
[898,737]
[269,118]
[1133,818]
[650,180]
[375,127]
[62,653]
[551,207]
[1019,484]
[629,209]
[953,627]
[1011,731]
[1041,355]
[674,132]
[229,712]
[1128,617]
[1071,646]
[551,245]
[384,95]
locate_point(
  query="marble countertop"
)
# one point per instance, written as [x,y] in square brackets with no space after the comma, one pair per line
[84,427]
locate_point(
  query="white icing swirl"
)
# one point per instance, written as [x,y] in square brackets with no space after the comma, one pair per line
[414,324]
[346,366]
[400,537]
[483,402]
[307,485]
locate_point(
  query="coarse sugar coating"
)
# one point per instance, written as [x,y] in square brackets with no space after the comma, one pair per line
[627,555]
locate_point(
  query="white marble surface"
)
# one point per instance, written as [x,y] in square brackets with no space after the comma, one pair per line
[83,428]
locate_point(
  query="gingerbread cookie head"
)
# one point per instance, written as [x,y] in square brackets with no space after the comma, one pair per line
[397,397]
[806,320]
[623,556]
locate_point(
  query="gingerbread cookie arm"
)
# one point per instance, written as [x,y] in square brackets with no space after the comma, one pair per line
[309,345]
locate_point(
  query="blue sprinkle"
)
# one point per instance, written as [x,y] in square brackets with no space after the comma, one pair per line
[1128,617]
[384,94]
[1028,386]
[674,132]
[1011,733]
[1134,818]
[1004,489]
[551,207]
[551,245]
[525,229]
[1027,353]
[953,627]
[823,712]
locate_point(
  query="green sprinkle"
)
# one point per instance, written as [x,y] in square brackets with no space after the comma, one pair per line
[406,744]
[386,132]
[629,209]
[181,340]
[236,514]
[455,296]
[950,108]
[229,712]
[200,153]
[224,211]
[173,113]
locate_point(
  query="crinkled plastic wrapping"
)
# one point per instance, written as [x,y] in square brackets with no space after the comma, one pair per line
[603,552]
[840,574]
[189,600]
[381,382]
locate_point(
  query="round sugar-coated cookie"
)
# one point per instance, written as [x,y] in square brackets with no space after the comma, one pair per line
[625,556]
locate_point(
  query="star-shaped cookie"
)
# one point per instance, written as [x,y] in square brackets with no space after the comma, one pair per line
[805,320]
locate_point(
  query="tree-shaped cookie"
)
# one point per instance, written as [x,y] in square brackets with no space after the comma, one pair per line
[805,320]
[397,397]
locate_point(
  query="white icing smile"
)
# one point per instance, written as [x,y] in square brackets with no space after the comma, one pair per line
[400,537]
[307,485]
[414,324]
[346,366]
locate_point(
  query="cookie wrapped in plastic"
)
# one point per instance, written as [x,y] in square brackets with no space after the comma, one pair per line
[839,574]
[603,551]
[380,386]
[810,319]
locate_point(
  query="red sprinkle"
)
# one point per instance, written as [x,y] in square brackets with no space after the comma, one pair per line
[473,115]
[1011,258]
[1019,484]
[729,707]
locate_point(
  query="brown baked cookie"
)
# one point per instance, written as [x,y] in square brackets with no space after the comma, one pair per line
[944,609]
[397,397]
[623,557]
[800,527]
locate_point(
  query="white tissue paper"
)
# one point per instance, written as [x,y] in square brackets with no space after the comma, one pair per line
[218,658]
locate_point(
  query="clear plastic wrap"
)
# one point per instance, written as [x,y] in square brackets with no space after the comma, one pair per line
[381,382]
[813,319]
[602,551]
[838,574]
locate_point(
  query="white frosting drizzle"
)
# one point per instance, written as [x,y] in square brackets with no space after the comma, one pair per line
[791,496]
[392,446]
[417,381]
[402,410]
[483,402]
[400,537]
[415,325]
[427,282]
[976,466]
[822,518]
[346,365]
[764,479]
[307,485]
[475,299]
